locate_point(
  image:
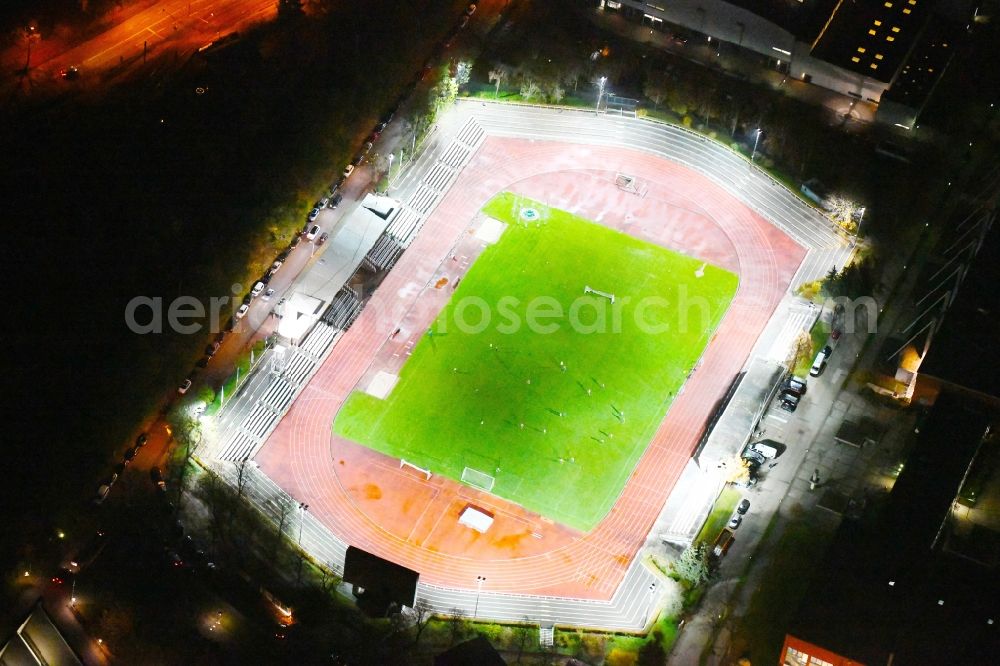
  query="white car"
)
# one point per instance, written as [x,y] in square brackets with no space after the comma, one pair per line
[242,312]
[275,267]
[311,235]
[257,288]
[185,385]
[348,170]
[471,10]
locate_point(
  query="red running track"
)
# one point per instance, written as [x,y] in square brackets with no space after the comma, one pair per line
[368,501]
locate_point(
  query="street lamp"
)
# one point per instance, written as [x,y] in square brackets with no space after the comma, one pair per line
[754,153]
[31,33]
[479,589]
[392,156]
[600,93]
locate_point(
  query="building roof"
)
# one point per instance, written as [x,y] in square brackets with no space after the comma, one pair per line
[37,641]
[886,588]
[383,582]
[475,652]
[965,350]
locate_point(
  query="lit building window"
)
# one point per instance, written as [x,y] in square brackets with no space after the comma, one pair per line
[945,45]
[873,66]
[930,70]
[895,29]
[888,4]
[871,32]
[861,49]
[878,56]
[906,10]
[890,38]
[913,2]
[878,23]
[855,59]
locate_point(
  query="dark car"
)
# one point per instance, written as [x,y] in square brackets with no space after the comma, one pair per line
[789,402]
[294,242]
[323,238]
[794,385]
[335,200]
[156,476]
[140,441]
[743,507]
[129,455]
[203,361]
[211,349]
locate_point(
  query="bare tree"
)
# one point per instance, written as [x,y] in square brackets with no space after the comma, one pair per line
[656,88]
[557,94]
[498,75]
[530,90]
[844,211]
[422,614]
[457,627]
[525,636]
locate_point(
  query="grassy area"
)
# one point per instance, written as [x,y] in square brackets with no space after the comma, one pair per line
[818,336]
[719,516]
[559,416]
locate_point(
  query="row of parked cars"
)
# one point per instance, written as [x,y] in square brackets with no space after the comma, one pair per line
[104,489]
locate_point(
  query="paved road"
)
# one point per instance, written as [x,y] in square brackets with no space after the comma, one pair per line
[184,24]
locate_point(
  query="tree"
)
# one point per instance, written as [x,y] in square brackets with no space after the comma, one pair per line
[463,71]
[557,94]
[525,636]
[692,565]
[737,470]
[651,654]
[457,627]
[530,90]
[656,88]
[422,615]
[802,349]
[844,211]
[498,75]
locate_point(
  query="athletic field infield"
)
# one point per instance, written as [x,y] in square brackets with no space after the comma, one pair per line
[552,365]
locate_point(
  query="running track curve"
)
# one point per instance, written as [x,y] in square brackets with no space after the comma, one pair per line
[682,210]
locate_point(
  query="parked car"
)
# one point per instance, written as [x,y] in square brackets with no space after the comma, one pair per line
[156,476]
[313,214]
[789,402]
[735,521]
[470,10]
[129,455]
[743,507]
[323,238]
[268,294]
[819,363]
[312,233]
[89,552]
[335,201]
[211,349]
[242,312]
[294,242]
[140,441]
[348,170]
[203,362]
[102,493]
[795,385]
[257,288]
[185,385]
[275,267]
[70,73]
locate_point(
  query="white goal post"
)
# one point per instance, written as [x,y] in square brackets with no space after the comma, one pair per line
[478,479]
[403,463]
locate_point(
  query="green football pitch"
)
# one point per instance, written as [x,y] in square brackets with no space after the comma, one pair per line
[557,409]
